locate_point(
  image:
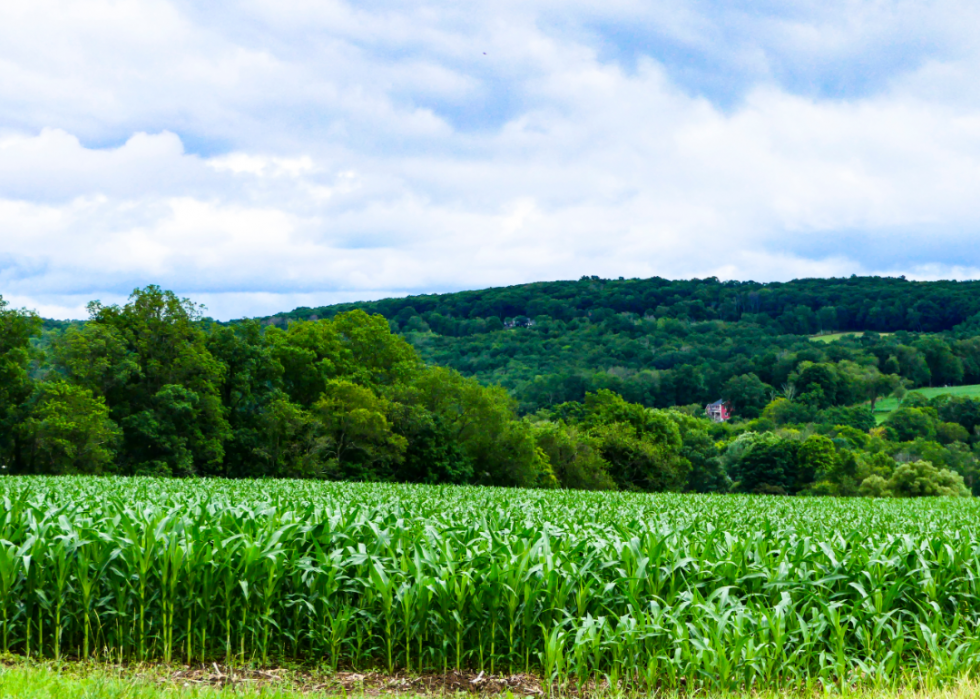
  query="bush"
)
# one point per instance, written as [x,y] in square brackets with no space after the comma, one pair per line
[922,479]
[875,486]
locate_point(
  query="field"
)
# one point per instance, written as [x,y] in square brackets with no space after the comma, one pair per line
[639,590]
[887,405]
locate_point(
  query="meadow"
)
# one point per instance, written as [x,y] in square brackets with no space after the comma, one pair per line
[887,405]
[644,591]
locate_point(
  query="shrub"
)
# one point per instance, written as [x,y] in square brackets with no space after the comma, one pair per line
[922,479]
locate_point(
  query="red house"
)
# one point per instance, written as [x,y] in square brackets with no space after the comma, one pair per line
[718,411]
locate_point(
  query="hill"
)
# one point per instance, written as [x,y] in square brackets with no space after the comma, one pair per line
[662,342]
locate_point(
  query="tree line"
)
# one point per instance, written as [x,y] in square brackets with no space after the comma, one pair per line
[155,387]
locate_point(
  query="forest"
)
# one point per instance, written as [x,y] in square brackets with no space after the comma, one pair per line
[664,343]
[589,385]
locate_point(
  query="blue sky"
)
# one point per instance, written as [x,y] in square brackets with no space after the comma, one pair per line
[265,154]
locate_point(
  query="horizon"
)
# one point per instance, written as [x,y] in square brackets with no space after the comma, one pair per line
[355,302]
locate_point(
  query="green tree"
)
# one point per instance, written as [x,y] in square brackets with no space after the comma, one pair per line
[361,444]
[96,356]
[922,479]
[261,419]
[17,327]
[169,437]
[746,394]
[483,421]
[290,442]
[949,432]
[170,406]
[827,318]
[816,384]
[352,346]
[945,367]
[574,456]
[911,423]
[769,465]
[642,464]
[785,412]
[707,472]
[816,457]
[433,455]
[67,431]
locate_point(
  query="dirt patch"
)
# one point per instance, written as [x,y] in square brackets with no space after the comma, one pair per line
[361,683]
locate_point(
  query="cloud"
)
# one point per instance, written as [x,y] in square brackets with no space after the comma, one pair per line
[268,155]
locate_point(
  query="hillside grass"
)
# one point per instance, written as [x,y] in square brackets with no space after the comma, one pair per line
[885,406]
[832,337]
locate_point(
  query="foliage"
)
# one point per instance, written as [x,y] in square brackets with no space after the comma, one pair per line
[17,327]
[663,342]
[612,398]
[921,478]
[67,430]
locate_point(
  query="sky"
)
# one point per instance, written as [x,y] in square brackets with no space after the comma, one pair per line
[260,155]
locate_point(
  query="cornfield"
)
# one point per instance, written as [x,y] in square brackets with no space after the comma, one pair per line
[654,590]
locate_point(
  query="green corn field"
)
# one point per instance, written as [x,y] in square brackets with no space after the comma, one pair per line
[649,590]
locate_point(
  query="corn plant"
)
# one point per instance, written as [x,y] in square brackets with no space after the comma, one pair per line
[651,591]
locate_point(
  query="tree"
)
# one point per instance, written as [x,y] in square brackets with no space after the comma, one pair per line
[827,317]
[169,437]
[949,432]
[259,413]
[784,412]
[575,457]
[361,444]
[17,327]
[290,442]
[483,421]
[746,394]
[707,473]
[922,479]
[816,384]
[95,356]
[910,423]
[945,367]
[962,410]
[433,454]
[352,346]
[641,464]
[67,431]
[816,457]
[768,466]
[875,486]
[170,406]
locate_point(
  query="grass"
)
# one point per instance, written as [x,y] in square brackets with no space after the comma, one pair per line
[832,337]
[886,405]
[694,591]
[90,681]
[49,682]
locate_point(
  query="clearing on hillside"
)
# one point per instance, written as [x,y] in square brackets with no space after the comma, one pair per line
[886,405]
[831,337]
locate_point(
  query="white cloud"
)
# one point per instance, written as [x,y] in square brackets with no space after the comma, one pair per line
[282,154]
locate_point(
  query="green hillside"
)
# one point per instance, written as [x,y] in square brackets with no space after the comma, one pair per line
[662,343]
